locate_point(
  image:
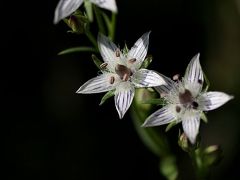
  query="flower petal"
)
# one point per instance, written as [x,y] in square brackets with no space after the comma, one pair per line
[123,98]
[147,78]
[212,100]
[108,50]
[160,117]
[106,4]
[139,50]
[166,88]
[97,85]
[194,75]
[191,125]
[66,8]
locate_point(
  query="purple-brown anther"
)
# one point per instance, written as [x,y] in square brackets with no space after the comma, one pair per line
[117,52]
[176,77]
[112,79]
[178,109]
[132,60]
[103,65]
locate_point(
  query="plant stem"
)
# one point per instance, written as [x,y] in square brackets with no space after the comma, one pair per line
[99,19]
[113,26]
[92,39]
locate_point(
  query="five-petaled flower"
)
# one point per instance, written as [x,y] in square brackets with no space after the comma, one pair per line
[122,72]
[67,7]
[186,101]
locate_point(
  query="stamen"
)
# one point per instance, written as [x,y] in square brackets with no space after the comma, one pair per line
[112,79]
[117,52]
[103,65]
[194,105]
[132,60]
[176,77]
[178,109]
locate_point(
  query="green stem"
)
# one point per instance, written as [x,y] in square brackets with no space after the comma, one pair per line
[99,19]
[113,26]
[92,39]
[201,171]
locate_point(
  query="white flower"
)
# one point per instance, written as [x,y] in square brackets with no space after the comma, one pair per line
[67,7]
[186,101]
[122,73]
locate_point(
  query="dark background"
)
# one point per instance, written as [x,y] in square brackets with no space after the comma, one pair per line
[52,133]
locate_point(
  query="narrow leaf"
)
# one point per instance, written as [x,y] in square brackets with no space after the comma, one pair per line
[125,49]
[170,125]
[204,117]
[89,10]
[207,82]
[107,96]
[77,49]
[147,62]
[96,61]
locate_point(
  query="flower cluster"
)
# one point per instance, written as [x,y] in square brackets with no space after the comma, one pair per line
[185,99]
[122,71]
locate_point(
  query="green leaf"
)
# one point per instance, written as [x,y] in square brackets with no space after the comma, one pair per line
[77,49]
[207,82]
[89,10]
[99,19]
[170,125]
[147,62]
[157,101]
[107,96]
[204,117]
[107,22]
[125,49]
[96,61]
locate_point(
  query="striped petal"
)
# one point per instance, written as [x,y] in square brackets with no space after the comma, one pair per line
[97,85]
[66,8]
[166,88]
[108,50]
[139,50]
[147,78]
[212,100]
[191,125]
[106,4]
[194,76]
[160,117]
[123,98]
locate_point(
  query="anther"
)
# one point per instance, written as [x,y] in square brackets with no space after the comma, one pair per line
[132,60]
[103,65]
[178,109]
[117,52]
[194,105]
[176,77]
[112,79]
[200,81]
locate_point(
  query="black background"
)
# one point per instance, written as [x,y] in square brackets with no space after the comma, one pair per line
[52,133]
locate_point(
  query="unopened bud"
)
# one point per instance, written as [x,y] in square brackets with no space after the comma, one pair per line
[183,142]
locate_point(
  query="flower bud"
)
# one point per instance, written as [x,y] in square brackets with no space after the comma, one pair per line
[77,22]
[183,142]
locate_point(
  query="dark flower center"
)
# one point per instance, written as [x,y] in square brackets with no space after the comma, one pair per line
[185,97]
[123,72]
[187,100]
